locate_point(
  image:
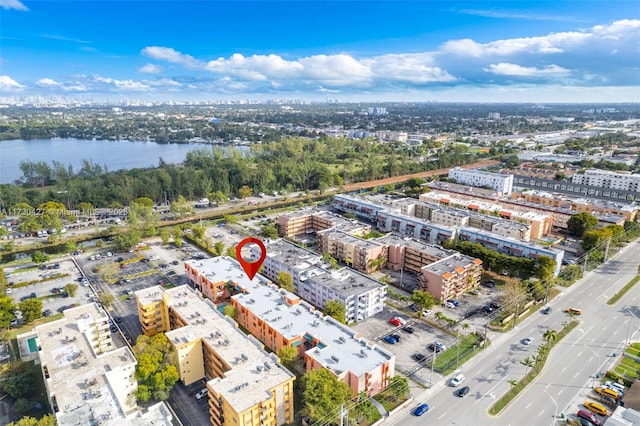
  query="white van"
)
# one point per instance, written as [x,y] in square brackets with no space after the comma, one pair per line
[456,381]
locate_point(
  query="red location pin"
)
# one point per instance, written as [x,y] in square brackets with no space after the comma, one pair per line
[251,268]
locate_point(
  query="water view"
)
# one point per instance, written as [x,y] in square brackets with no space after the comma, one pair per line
[115,155]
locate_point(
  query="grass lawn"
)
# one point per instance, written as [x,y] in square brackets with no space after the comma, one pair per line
[623,290]
[632,351]
[389,404]
[456,355]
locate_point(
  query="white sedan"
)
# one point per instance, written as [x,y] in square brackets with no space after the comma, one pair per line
[527,341]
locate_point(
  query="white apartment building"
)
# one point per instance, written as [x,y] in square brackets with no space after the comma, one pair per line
[317,284]
[88,379]
[497,181]
[607,179]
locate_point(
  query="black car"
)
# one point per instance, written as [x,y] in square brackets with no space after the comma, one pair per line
[495,305]
[118,319]
[408,329]
[488,283]
[175,262]
[46,312]
[463,391]
[396,336]
[419,357]
[113,328]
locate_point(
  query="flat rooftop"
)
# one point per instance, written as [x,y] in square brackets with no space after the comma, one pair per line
[450,264]
[344,349]
[345,281]
[433,250]
[253,370]
[80,377]
[511,241]
[298,257]
[349,239]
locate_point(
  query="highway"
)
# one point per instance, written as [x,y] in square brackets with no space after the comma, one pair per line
[568,375]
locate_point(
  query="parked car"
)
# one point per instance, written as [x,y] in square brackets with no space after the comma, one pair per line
[420,409]
[594,407]
[449,305]
[46,312]
[454,302]
[394,321]
[489,283]
[408,329]
[419,357]
[118,319]
[587,415]
[527,341]
[202,393]
[390,340]
[397,337]
[547,310]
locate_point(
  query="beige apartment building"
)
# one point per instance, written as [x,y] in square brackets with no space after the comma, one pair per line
[362,255]
[247,386]
[451,277]
[311,221]
[88,379]
[411,255]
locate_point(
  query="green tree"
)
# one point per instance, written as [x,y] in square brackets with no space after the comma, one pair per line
[333,263]
[218,246]
[7,311]
[545,268]
[47,420]
[423,300]
[70,246]
[106,299]
[181,207]
[24,405]
[17,380]
[288,356]
[230,311]
[198,231]
[71,289]
[595,238]
[218,197]
[127,240]
[398,387]
[364,409]
[231,252]
[323,393]
[39,257]
[336,310]
[156,372]
[550,336]
[245,191]
[528,362]
[229,218]
[144,201]
[269,231]
[285,280]
[31,309]
[165,236]
[580,223]
[176,232]
[109,271]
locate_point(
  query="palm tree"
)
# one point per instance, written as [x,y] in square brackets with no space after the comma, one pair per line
[512,382]
[550,336]
[529,362]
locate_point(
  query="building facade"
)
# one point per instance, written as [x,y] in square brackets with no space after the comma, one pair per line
[310,221]
[499,182]
[362,255]
[608,179]
[316,283]
[451,277]
[87,378]
[246,385]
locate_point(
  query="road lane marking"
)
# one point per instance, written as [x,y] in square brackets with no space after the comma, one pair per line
[615,332]
[580,353]
[528,405]
[540,413]
[590,359]
[576,375]
[443,414]
[564,369]
[560,392]
[547,387]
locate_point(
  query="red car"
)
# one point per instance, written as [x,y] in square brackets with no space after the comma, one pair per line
[395,321]
[588,415]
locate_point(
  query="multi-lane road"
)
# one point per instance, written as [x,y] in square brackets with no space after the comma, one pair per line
[567,378]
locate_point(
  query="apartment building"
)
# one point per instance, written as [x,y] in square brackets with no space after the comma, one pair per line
[499,182]
[87,378]
[310,221]
[511,246]
[608,179]
[361,255]
[246,385]
[407,226]
[451,277]
[411,255]
[279,318]
[364,209]
[317,284]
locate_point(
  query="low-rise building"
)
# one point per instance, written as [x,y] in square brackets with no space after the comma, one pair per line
[411,255]
[246,385]
[310,221]
[87,378]
[362,255]
[499,182]
[451,277]
[316,283]
[608,179]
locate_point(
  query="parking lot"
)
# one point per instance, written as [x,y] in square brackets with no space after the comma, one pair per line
[47,285]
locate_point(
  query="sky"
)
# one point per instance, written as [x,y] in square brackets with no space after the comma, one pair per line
[412,51]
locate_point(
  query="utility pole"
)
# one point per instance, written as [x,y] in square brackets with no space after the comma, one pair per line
[606,250]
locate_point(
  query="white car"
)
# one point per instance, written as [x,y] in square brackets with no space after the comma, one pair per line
[9,291]
[401,320]
[456,381]
[202,394]
[527,341]
[449,305]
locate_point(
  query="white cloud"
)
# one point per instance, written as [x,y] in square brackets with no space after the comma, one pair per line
[504,68]
[524,15]
[7,84]
[150,69]
[66,87]
[124,85]
[415,68]
[13,4]
[171,55]
[47,82]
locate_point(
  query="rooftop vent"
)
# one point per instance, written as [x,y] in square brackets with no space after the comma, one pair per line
[244,357]
[335,358]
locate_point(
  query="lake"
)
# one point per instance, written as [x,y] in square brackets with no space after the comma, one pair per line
[115,155]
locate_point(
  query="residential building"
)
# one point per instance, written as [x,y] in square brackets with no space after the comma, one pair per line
[88,379]
[362,255]
[608,179]
[451,277]
[499,182]
[279,318]
[357,206]
[246,385]
[411,255]
[317,284]
[407,226]
[310,221]
[511,246]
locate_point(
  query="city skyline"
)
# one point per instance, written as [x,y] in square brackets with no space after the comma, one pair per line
[347,51]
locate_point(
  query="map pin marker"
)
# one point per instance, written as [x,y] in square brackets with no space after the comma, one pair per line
[251,268]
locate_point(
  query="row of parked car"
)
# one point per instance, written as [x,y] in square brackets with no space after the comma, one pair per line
[611,392]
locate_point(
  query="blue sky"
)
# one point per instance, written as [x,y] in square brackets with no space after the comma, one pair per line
[539,51]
